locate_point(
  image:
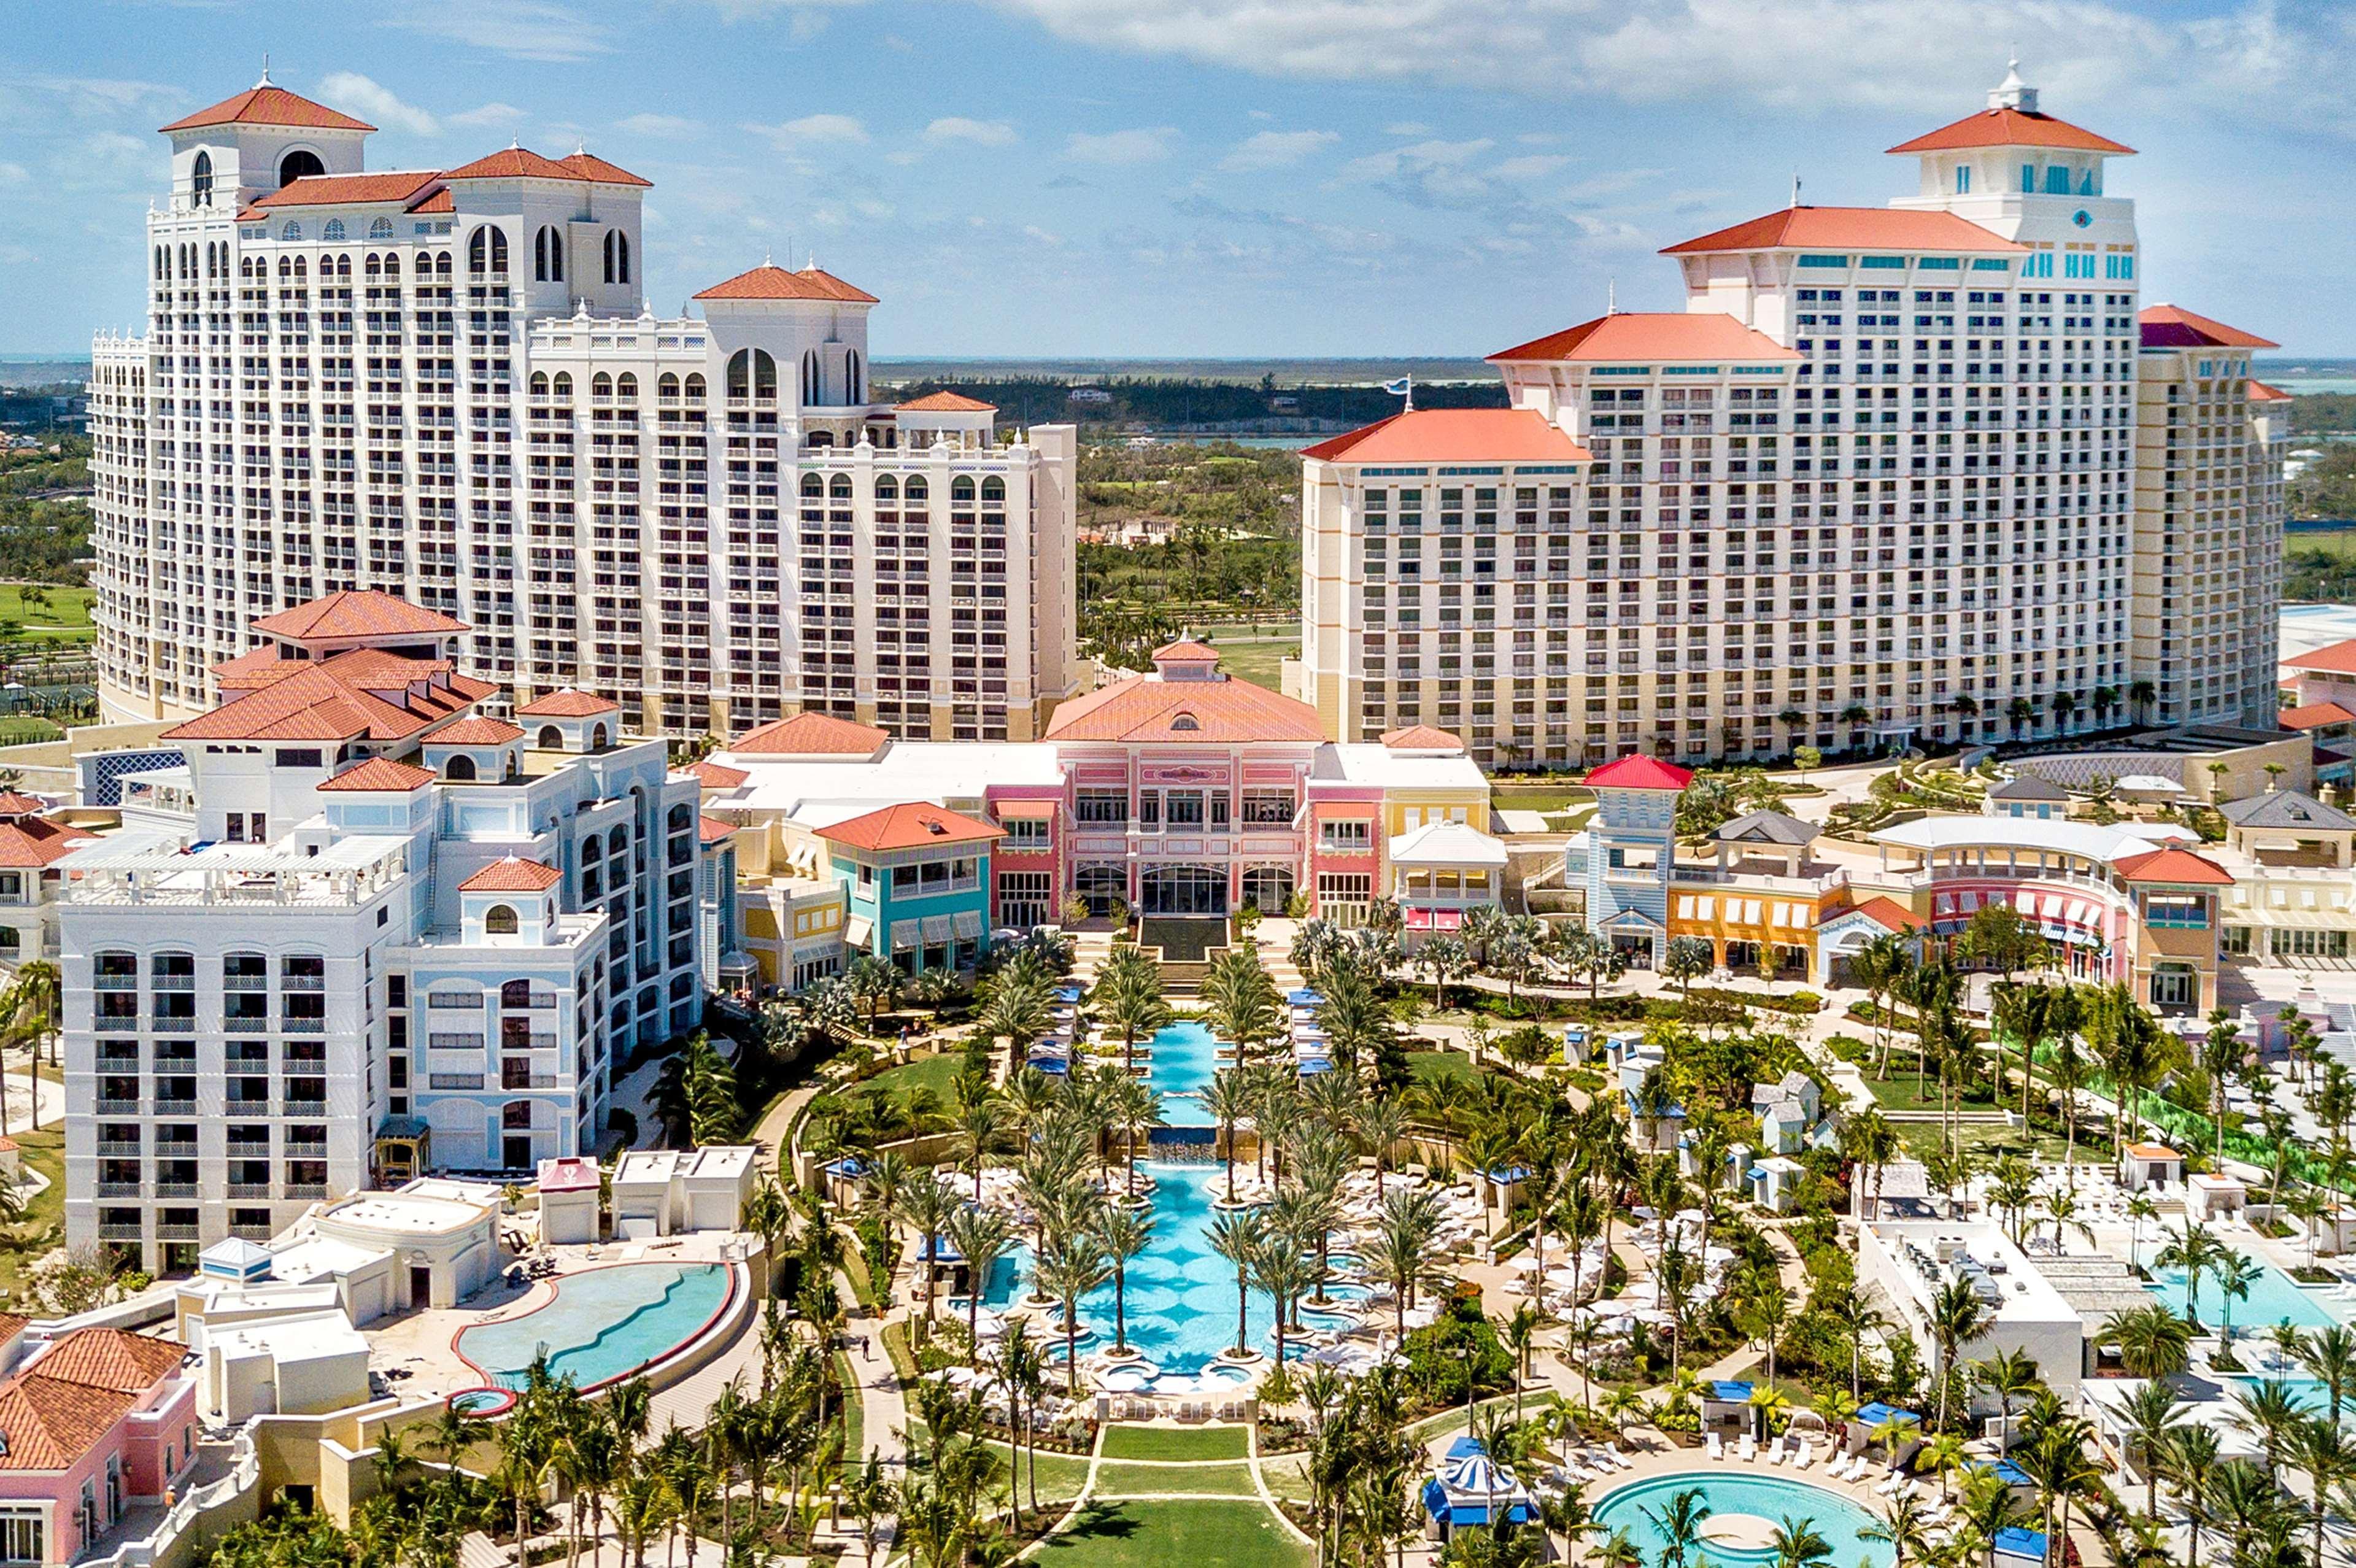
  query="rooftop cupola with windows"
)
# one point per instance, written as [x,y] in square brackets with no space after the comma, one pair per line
[255,142]
[2012,148]
[1187,660]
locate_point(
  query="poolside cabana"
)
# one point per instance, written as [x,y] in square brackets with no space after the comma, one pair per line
[1472,1488]
[1901,1429]
[2018,1547]
[1726,1408]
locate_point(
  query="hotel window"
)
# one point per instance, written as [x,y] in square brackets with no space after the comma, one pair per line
[2180,912]
[1268,807]
[1028,832]
[1100,805]
[22,1536]
[1346,836]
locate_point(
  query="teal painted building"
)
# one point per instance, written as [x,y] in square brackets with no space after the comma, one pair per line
[917,878]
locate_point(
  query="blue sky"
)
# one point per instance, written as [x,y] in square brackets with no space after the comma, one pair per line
[1213,176]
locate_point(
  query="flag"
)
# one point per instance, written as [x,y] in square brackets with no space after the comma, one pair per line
[1402,387]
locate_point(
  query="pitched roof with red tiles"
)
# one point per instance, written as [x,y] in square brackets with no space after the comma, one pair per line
[810,735]
[1650,335]
[1454,435]
[1185,651]
[2176,868]
[568,704]
[1421,737]
[475,732]
[512,875]
[717,776]
[27,844]
[255,667]
[598,171]
[357,612]
[365,693]
[2010,127]
[51,1425]
[110,1358]
[1855,227]
[2173,326]
[350,190]
[380,773]
[1888,913]
[439,201]
[1145,708]
[1639,771]
[768,282]
[910,825]
[2315,715]
[712,829]
[2332,659]
[268,105]
[13,804]
[947,402]
[520,163]
[2260,393]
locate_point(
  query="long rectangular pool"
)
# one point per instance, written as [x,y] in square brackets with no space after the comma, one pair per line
[2275,1297]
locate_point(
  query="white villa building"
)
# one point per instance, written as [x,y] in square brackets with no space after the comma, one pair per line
[449,384]
[364,931]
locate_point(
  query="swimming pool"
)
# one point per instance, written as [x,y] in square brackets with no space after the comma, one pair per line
[1181,1294]
[2275,1297]
[1770,1498]
[1186,1059]
[602,1323]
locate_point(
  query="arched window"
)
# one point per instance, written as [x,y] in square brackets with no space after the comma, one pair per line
[961,490]
[593,848]
[380,229]
[617,841]
[551,738]
[917,489]
[200,181]
[300,164]
[515,1116]
[838,488]
[626,388]
[813,488]
[682,817]
[343,266]
[810,379]
[1185,721]
[515,994]
[695,388]
[740,373]
[392,267]
[540,383]
[460,767]
[597,736]
[441,264]
[487,250]
[565,386]
[994,489]
[854,376]
[548,255]
[302,268]
[371,266]
[617,256]
[666,387]
[887,488]
[500,921]
[765,375]
[334,230]
[601,386]
[286,268]
[290,229]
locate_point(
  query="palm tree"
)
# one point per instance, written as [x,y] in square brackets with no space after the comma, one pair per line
[2268,1411]
[926,1207]
[1237,1237]
[1128,1000]
[2188,1462]
[2329,1356]
[2235,1274]
[1797,1544]
[1904,1526]
[982,1237]
[2318,1448]
[1072,1268]
[1957,1318]
[979,1127]
[2009,1375]
[2196,1250]
[2152,1341]
[1286,1272]
[2057,1462]
[2148,1418]
[875,981]
[1678,1525]
[1229,1101]
[1124,1234]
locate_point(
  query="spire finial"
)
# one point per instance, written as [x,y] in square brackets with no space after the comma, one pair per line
[768,257]
[1795,188]
[265,72]
[2013,92]
[1611,296]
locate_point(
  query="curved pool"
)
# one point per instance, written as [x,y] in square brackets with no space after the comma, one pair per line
[1746,1507]
[602,1324]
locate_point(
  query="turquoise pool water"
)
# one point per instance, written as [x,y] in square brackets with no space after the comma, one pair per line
[1184,1061]
[2274,1298]
[603,1323]
[1770,1497]
[1181,1294]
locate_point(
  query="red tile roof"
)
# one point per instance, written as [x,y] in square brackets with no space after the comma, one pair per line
[718,776]
[598,171]
[110,1358]
[1650,335]
[2332,659]
[475,732]
[2178,867]
[1185,651]
[2261,392]
[350,190]
[947,402]
[355,612]
[268,105]
[568,704]
[2173,326]
[51,1425]
[910,825]
[767,282]
[255,667]
[1454,435]
[1421,737]
[810,735]
[1888,912]
[515,163]
[27,844]
[12,804]
[512,875]
[2010,128]
[382,773]
[2315,715]
[712,829]
[362,692]
[1638,771]
[1853,228]
[439,201]
[1146,708]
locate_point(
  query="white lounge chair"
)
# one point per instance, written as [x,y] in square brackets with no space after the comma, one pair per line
[1619,1454]
[1890,1484]
[1715,1446]
[1805,1457]
[1774,1451]
[1747,1449]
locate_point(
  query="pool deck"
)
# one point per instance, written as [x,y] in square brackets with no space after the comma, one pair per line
[420,1343]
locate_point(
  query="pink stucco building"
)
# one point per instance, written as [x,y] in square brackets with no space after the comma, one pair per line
[93,1424]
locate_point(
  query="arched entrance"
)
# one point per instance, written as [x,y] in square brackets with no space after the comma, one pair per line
[1185,890]
[1268,888]
[1100,884]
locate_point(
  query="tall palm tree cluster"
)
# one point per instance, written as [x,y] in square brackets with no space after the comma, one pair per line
[695,1094]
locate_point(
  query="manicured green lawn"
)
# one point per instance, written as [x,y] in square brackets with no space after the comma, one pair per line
[43,1151]
[1123,1481]
[936,1073]
[1285,1478]
[1175,1442]
[1431,1065]
[1988,1141]
[64,618]
[1061,1475]
[1259,661]
[1154,1535]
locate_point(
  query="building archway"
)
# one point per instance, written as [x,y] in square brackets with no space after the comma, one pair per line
[1268,888]
[1183,890]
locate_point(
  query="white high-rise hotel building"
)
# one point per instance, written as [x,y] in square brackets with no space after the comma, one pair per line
[1919,472]
[448,384]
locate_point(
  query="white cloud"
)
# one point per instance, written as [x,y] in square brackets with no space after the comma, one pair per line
[492,114]
[1278,149]
[526,29]
[12,173]
[660,126]
[1043,236]
[370,99]
[982,132]
[1530,166]
[1407,128]
[812,130]
[1118,147]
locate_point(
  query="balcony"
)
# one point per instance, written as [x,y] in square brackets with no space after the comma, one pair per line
[249,1190]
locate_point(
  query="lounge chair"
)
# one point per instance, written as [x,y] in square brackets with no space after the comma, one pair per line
[1774,1451]
[1747,1449]
[1619,1454]
[1890,1484]
[1805,1457]
[1715,1445]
